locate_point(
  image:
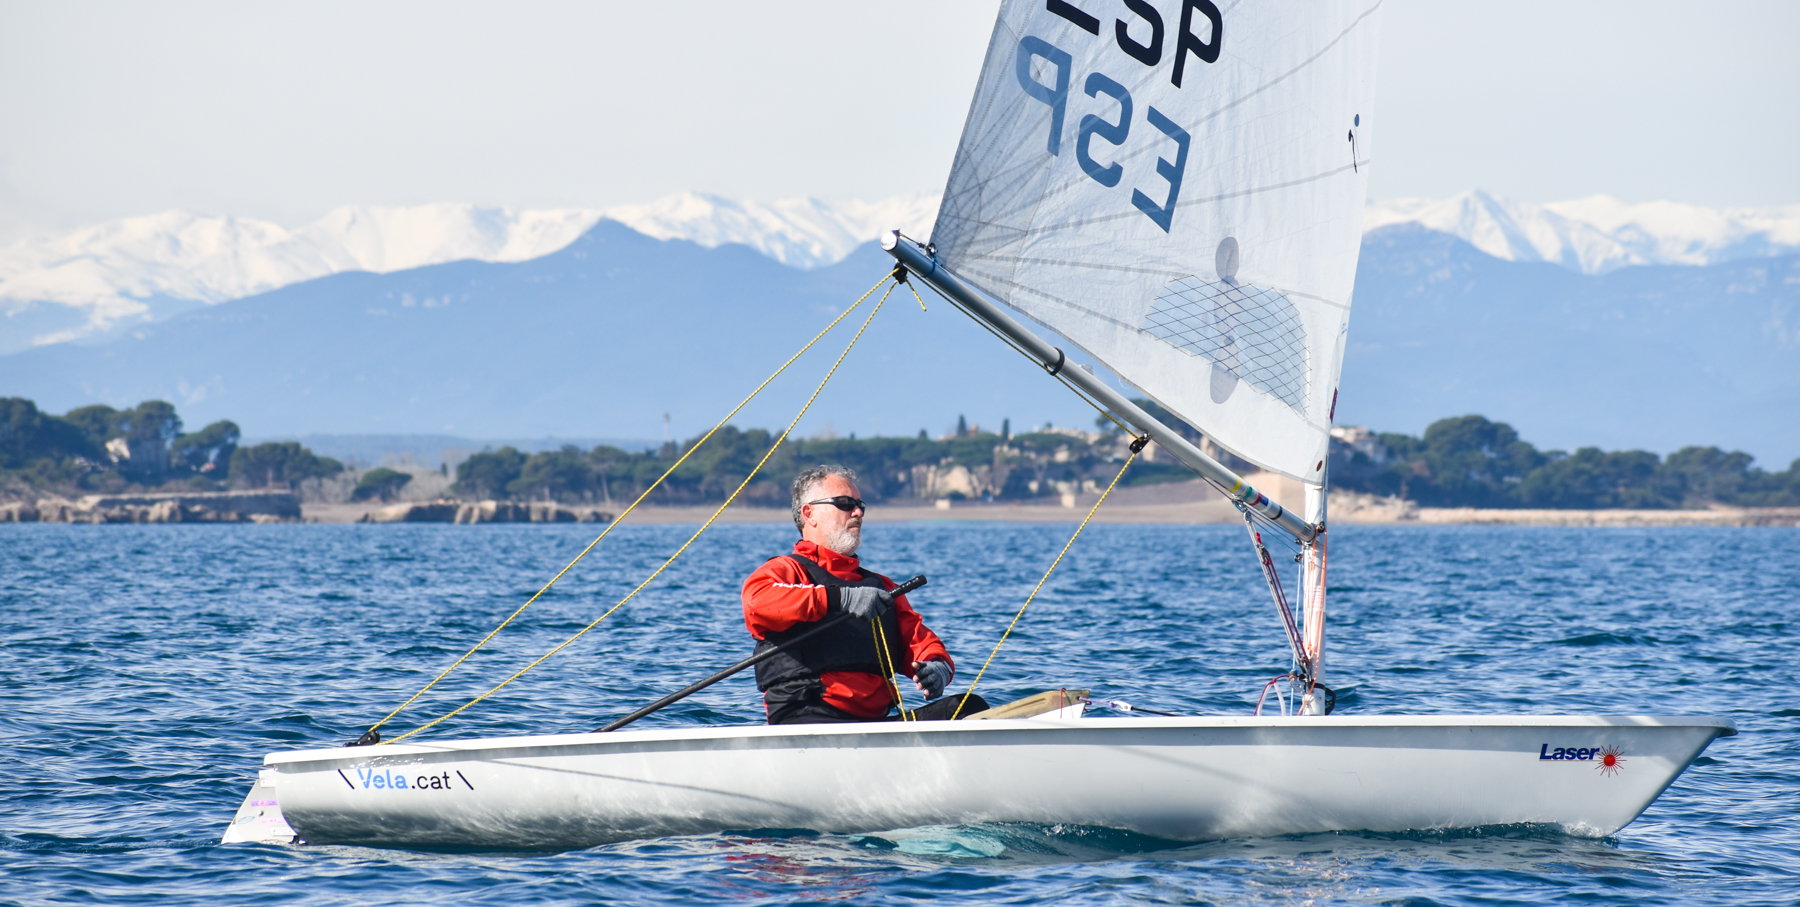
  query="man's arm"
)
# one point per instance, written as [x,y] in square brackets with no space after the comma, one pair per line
[921,643]
[779,595]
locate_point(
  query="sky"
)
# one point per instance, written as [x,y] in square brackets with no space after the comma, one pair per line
[284,110]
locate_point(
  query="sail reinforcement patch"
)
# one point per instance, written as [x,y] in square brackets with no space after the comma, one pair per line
[1248,333]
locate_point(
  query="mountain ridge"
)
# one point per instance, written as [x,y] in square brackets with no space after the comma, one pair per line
[1652,356]
[90,283]
[607,335]
[100,282]
[1598,234]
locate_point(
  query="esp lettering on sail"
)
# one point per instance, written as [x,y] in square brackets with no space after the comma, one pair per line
[1177,188]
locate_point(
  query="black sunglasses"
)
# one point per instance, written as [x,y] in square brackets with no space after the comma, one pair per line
[845,503]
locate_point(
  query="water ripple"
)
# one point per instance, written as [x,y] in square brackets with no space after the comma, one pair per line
[148,669]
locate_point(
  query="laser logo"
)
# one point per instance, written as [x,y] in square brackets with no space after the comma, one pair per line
[1606,759]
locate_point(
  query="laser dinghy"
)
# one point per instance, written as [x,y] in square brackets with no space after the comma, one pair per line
[1174,778]
[1176,189]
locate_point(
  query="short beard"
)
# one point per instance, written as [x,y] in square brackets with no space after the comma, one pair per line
[844,541]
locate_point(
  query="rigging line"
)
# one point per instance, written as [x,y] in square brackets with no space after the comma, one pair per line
[1282,535]
[916,295]
[900,276]
[697,533]
[1034,361]
[1312,606]
[1275,589]
[1136,446]
[887,661]
[627,512]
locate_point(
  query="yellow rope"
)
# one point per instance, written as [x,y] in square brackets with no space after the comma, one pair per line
[1040,585]
[887,661]
[684,545]
[916,295]
[627,512]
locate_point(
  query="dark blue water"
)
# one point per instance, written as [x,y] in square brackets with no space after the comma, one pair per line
[147,670]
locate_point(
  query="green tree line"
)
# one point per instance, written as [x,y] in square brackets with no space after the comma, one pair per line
[101,449]
[1469,461]
[1014,467]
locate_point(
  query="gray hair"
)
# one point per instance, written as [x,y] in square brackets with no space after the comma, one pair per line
[810,477]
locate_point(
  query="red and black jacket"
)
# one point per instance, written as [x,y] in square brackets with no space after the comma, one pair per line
[842,666]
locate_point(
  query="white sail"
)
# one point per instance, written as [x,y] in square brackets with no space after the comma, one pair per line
[1177,187]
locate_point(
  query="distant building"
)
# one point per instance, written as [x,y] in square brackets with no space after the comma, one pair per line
[143,454]
[1361,440]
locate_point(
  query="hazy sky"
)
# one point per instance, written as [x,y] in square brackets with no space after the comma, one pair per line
[286,110]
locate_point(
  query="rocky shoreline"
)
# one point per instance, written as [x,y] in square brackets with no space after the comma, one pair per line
[188,507]
[1369,510]
[472,512]
[282,507]
[1175,503]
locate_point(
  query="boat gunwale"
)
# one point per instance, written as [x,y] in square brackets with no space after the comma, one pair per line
[652,736]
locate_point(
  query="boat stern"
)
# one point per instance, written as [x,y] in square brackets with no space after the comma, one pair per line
[259,820]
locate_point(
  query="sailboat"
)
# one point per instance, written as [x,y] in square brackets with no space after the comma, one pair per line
[1175,190]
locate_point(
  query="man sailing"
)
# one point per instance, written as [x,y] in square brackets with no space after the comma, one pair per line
[840,674]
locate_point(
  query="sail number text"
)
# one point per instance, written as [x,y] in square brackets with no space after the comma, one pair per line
[1055,91]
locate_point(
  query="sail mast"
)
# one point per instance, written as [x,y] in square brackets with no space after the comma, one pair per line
[925,266]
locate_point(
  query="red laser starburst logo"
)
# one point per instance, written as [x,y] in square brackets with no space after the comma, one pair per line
[1610,761]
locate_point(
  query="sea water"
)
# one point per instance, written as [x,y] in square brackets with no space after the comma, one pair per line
[146,670]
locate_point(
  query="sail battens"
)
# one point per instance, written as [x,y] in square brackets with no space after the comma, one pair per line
[1199,238]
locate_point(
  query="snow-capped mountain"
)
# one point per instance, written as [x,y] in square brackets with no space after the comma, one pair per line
[106,278]
[803,232]
[112,269]
[605,336]
[1598,234]
[138,269]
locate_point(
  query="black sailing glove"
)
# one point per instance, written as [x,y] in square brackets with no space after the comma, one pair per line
[933,675]
[866,602]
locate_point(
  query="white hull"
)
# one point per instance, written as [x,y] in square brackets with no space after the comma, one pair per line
[1175,778]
